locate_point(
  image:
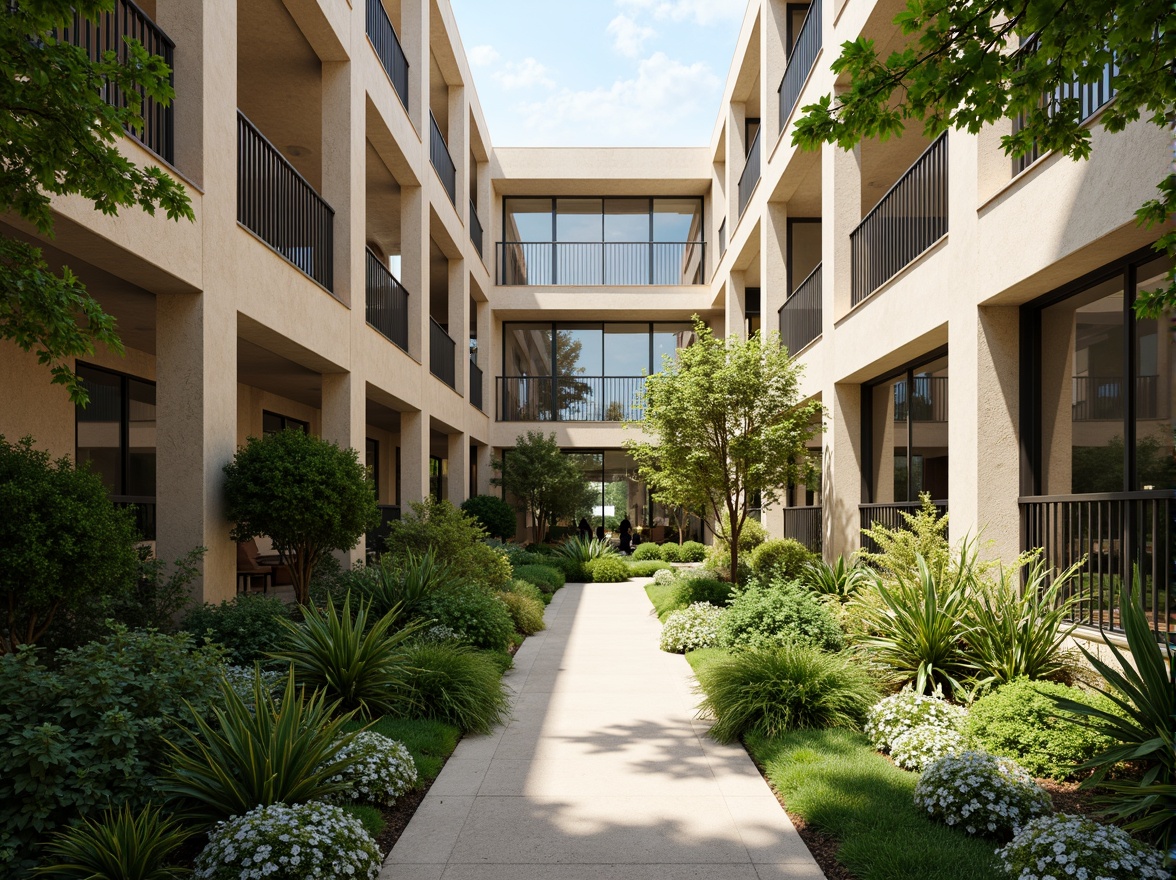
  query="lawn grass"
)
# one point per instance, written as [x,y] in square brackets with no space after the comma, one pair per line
[837,783]
[664,598]
[646,567]
[370,817]
[429,742]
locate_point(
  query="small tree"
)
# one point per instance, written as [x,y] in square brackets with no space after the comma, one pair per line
[725,417]
[66,553]
[496,516]
[308,495]
[545,481]
[675,488]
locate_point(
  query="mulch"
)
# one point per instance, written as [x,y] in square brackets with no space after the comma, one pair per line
[397,817]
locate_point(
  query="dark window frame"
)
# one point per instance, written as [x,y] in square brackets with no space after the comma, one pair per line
[648,199]
[604,325]
[124,424]
[287,422]
[790,279]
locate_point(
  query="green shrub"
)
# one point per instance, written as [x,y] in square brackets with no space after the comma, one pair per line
[665,577]
[161,592]
[454,537]
[525,612]
[479,616]
[718,563]
[776,614]
[1019,720]
[795,687]
[119,845]
[528,589]
[259,752]
[703,589]
[67,555]
[89,731]
[400,582]
[572,570]
[377,770]
[608,570]
[750,536]
[648,550]
[456,685]
[837,581]
[784,558]
[692,551]
[924,533]
[248,628]
[494,514]
[548,578]
[646,567]
[671,552]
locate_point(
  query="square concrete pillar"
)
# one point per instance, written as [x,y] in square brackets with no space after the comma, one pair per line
[841,470]
[414,40]
[485,470]
[414,458]
[414,267]
[459,149]
[458,488]
[735,314]
[344,418]
[459,323]
[773,264]
[841,200]
[344,152]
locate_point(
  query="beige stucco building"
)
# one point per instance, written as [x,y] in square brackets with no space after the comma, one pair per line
[365,263]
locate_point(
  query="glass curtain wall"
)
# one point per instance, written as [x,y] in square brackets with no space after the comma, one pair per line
[908,434]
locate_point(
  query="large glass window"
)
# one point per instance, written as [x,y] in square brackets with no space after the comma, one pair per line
[908,434]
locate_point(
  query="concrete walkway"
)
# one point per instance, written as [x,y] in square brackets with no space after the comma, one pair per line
[603,773]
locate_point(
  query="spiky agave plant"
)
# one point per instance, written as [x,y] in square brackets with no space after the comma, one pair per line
[121,844]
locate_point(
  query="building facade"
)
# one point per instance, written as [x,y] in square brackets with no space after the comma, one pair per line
[365,264]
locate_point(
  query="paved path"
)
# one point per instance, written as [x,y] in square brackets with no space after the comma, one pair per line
[603,773]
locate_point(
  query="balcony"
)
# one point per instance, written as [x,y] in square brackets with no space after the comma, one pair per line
[384,41]
[910,218]
[569,398]
[476,234]
[476,385]
[277,204]
[804,524]
[442,354]
[800,62]
[800,316]
[442,161]
[890,515]
[751,173]
[106,34]
[592,263]
[387,302]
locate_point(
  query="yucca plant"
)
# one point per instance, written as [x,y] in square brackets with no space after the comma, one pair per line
[1020,632]
[120,845]
[357,666]
[258,752]
[585,549]
[1143,690]
[400,583]
[837,581]
[919,625]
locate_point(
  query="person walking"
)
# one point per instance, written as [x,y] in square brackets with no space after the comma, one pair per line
[626,535]
[585,529]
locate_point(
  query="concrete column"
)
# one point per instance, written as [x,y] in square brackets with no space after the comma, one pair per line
[343,147]
[775,53]
[414,457]
[485,214]
[459,149]
[186,22]
[842,470]
[485,470]
[459,323]
[344,417]
[736,156]
[841,198]
[414,267]
[773,264]
[735,313]
[459,468]
[414,40]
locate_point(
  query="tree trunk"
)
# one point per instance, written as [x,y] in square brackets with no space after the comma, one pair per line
[733,541]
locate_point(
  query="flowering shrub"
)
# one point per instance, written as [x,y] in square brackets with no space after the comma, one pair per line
[304,842]
[921,746]
[438,633]
[381,770]
[695,626]
[1073,846]
[903,712]
[240,679]
[665,576]
[981,793]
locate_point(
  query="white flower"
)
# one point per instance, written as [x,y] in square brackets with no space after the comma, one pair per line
[901,713]
[379,770]
[978,791]
[665,576]
[921,746]
[1079,847]
[693,627]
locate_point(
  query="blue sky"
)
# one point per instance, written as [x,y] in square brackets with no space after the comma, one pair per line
[599,72]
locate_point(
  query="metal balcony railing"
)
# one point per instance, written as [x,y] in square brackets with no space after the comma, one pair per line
[442,354]
[910,218]
[800,316]
[569,398]
[891,516]
[387,45]
[387,302]
[281,207]
[1102,398]
[615,263]
[106,34]
[476,234]
[751,172]
[143,509]
[926,402]
[442,161]
[1116,533]
[800,62]
[804,524]
[476,385]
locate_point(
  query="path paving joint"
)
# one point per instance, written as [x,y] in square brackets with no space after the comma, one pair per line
[603,771]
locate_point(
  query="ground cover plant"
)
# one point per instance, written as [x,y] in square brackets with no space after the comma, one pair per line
[376,770]
[548,577]
[646,567]
[1074,846]
[429,742]
[525,612]
[664,597]
[690,628]
[981,793]
[776,614]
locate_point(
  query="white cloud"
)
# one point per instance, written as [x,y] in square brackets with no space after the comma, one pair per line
[481,56]
[702,12]
[628,36]
[523,74]
[654,107]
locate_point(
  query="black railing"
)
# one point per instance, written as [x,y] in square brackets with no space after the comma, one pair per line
[108,33]
[800,316]
[387,302]
[476,234]
[384,40]
[751,172]
[143,509]
[476,385]
[800,62]
[927,401]
[890,515]
[276,202]
[723,238]
[569,398]
[804,524]
[442,161]
[910,218]
[374,543]
[615,263]
[1101,398]
[1116,534]
[442,354]
[1091,97]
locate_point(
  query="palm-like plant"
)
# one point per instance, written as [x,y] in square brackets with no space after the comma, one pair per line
[837,581]
[258,753]
[1020,632]
[401,583]
[121,845]
[357,666]
[1144,728]
[585,549]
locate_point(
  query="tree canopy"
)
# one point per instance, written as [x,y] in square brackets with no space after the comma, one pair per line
[726,424]
[547,483]
[59,136]
[970,63]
